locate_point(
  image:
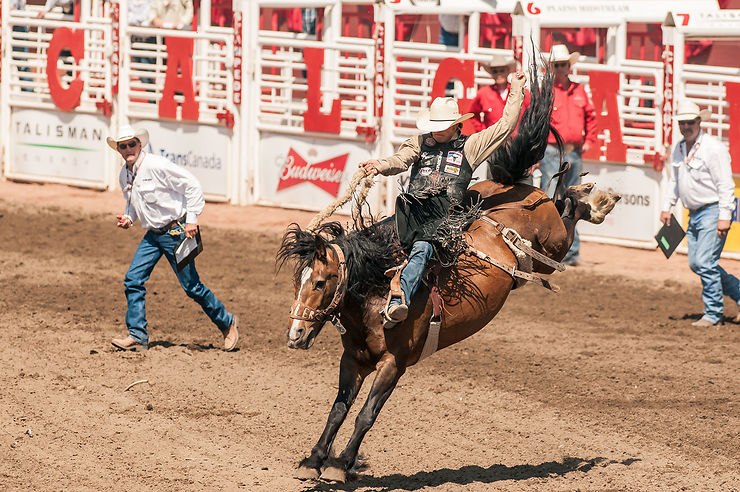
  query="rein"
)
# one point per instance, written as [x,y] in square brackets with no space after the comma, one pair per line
[302,312]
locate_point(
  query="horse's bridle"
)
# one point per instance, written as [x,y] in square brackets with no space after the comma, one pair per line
[302,312]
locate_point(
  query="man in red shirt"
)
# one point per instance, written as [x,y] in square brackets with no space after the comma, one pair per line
[574,118]
[488,104]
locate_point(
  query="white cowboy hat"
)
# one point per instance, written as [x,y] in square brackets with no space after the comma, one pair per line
[502,60]
[442,114]
[127,133]
[559,53]
[687,111]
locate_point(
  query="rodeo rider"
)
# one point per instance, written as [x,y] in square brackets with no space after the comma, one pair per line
[167,199]
[442,161]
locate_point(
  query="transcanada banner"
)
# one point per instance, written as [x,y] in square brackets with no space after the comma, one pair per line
[308,173]
[62,145]
[201,149]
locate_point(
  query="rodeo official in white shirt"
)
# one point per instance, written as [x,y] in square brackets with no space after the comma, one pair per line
[167,200]
[701,176]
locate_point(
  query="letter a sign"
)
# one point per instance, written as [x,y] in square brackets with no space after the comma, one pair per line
[179,77]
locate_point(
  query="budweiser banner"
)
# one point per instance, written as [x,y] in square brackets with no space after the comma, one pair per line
[308,173]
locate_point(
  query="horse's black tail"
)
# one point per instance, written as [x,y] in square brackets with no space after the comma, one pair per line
[511,161]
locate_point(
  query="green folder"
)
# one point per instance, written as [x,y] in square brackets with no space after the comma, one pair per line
[669,237]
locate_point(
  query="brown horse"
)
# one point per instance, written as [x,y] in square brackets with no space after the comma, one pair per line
[339,277]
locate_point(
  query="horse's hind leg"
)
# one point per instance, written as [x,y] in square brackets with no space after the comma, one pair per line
[350,381]
[388,374]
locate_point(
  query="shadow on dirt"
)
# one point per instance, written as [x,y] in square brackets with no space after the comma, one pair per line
[195,347]
[469,475]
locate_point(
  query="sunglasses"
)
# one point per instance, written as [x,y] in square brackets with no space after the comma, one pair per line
[498,69]
[560,64]
[131,144]
[687,123]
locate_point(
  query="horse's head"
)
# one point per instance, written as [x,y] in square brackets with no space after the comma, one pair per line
[320,280]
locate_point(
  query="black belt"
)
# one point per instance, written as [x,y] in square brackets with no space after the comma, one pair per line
[693,211]
[164,229]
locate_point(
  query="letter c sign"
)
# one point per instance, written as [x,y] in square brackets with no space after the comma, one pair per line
[74,40]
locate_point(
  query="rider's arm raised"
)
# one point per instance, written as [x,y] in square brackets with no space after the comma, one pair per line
[399,162]
[480,146]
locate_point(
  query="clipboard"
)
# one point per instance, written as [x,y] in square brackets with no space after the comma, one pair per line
[669,237]
[186,250]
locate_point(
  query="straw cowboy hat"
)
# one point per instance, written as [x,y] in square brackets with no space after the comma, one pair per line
[502,60]
[559,53]
[127,133]
[687,111]
[442,114]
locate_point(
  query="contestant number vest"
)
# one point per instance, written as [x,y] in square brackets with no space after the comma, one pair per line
[441,168]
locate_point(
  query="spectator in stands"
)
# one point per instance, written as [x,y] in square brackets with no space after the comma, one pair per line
[166,199]
[574,118]
[701,176]
[449,30]
[68,7]
[138,15]
[138,12]
[171,14]
[488,104]
[449,27]
[308,20]
[21,5]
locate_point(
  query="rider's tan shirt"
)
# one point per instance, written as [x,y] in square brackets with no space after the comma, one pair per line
[478,147]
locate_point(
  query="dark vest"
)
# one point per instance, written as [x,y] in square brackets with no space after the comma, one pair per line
[442,168]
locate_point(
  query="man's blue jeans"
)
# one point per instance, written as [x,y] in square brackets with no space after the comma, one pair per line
[412,273]
[705,247]
[150,250]
[549,165]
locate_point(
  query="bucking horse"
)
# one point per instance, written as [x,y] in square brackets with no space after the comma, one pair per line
[513,234]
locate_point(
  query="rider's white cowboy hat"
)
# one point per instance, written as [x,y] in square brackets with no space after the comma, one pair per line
[559,53]
[687,111]
[127,133]
[442,114]
[502,60]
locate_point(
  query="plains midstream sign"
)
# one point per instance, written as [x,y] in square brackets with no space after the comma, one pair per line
[201,149]
[69,146]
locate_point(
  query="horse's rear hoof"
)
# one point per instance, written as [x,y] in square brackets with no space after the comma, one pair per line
[334,474]
[306,473]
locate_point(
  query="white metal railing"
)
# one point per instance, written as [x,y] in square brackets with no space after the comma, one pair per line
[144,66]
[705,85]
[638,98]
[281,82]
[28,44]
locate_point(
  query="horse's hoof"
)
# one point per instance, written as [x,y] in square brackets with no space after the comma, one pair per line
[306,473]
[334,474]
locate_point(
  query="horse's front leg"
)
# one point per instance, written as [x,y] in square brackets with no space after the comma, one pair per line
[351,377]
[386,378]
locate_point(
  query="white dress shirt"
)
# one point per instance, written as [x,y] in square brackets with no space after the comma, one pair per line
[702,177]
[159,191]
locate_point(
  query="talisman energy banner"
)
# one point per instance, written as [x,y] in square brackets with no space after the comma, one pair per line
[308,173]
[202,149]
[636,217]
[69,146]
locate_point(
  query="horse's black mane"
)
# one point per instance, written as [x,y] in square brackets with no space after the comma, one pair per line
[511,161]
[369,251]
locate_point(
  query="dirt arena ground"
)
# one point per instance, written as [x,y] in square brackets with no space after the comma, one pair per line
[604,386]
